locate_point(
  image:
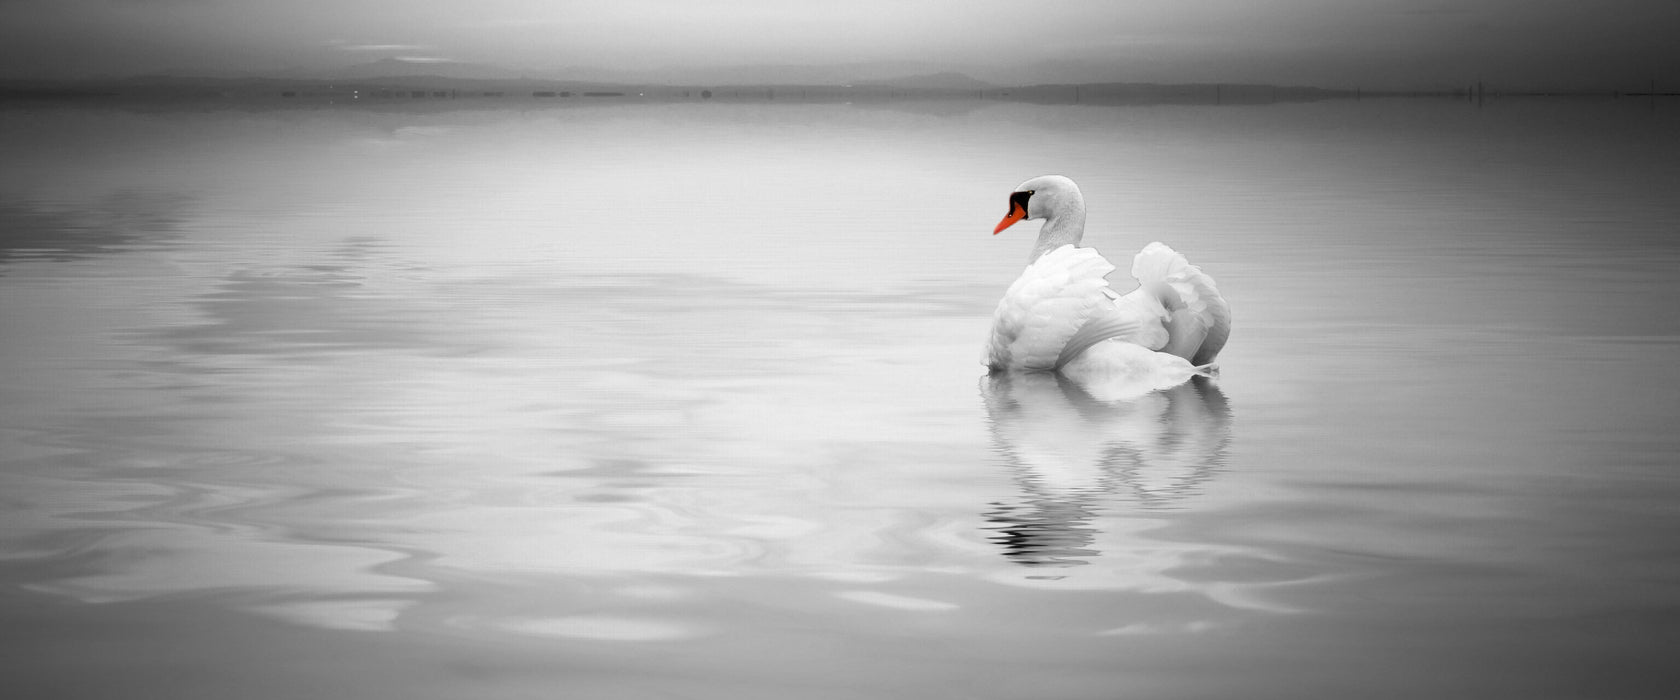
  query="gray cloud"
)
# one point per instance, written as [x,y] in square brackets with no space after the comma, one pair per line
[382,47]
[1375,43]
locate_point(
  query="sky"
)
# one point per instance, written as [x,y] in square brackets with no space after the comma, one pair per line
[1394,44]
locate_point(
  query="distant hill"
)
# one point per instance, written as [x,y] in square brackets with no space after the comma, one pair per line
[836,74]
[392,81]
[947,80]
[398,68]
[890,74]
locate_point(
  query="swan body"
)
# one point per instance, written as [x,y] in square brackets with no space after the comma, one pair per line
[1061,315]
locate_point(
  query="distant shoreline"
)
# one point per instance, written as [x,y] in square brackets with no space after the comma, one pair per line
[415,89]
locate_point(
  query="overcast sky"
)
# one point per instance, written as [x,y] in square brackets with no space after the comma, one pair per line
[1350,43]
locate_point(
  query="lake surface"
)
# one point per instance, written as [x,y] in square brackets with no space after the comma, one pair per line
[685,400]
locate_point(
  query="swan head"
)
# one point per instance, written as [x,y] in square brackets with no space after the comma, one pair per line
[1040,198]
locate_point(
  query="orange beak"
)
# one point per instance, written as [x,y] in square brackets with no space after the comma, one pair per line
[1016,213]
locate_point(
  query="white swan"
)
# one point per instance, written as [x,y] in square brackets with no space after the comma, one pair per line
[1061,315]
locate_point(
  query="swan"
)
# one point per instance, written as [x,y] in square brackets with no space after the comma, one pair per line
[1060,314]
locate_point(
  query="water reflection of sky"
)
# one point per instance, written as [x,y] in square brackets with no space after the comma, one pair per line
[118,221]
[334,440]
[334,385]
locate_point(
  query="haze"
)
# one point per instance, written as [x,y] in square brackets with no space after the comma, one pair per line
[1391,44]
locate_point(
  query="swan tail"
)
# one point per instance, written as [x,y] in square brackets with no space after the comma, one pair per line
[1197,318]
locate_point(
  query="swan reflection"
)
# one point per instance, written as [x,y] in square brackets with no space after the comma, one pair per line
[1077,450]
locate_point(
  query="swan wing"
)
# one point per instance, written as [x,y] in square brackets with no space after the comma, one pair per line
[1197,319]
[1133,318]
[1061,305]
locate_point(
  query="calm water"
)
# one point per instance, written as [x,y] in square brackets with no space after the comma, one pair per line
[685,401]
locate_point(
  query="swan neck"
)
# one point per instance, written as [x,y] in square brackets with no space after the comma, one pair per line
[1064,226]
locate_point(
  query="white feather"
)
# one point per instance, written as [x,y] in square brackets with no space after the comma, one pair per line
[1060,314]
